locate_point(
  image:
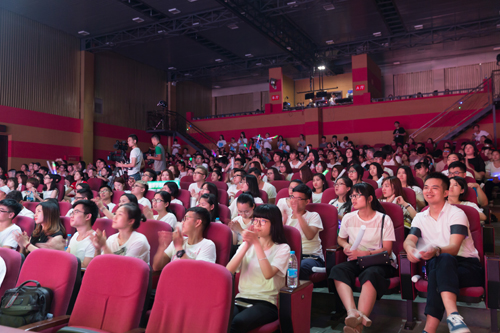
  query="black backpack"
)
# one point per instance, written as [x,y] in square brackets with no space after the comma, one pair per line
[25,305]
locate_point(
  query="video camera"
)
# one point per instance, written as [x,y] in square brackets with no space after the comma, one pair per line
[120,155]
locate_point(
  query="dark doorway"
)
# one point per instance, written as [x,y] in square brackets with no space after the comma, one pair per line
[4,152]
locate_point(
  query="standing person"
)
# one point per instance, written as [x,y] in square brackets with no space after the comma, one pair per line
[477,134]
[242,141]
[160,163]
[301,145]
[399,133]
[452,260]
[221,144]
[136,160]
[262,260]
[176,147]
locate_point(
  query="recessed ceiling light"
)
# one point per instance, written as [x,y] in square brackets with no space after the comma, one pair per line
[418,27]
[377,34]
[289,48]
[496,48]
[329,7]
[172,68]
[291,3]
[162,31]
[249,55]
[174,11]
[321,68]
[187,74]
[216,87]
[192,0]
[196,23]
[219,60]
[330,42]
[258,64]
[232,26]
[138,20]
[396,63]
[83,33]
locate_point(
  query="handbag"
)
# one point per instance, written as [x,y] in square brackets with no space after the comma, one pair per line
[381,258]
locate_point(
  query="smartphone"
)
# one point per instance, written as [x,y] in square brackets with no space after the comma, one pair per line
[243,304]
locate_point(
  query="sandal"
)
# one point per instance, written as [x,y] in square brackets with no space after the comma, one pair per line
[355,318]
[348,329]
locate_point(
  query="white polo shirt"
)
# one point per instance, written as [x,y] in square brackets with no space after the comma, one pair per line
[312,246]
[270,190]
[451,220]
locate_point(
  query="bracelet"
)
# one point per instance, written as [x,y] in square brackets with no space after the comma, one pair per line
[263,259]
[408,205]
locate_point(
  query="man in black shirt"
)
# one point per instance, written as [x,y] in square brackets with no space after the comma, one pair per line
[399,133]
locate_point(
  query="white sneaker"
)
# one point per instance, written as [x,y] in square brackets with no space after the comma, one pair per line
[456,323]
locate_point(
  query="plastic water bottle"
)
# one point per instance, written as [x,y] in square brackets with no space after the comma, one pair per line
[292,277]
[30,196]
[217,220]
[67,242]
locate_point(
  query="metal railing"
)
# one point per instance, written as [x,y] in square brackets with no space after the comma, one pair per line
[421,95]
[233,114]
[495,84]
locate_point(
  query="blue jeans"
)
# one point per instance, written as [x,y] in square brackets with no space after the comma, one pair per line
[306,265]
[136,176]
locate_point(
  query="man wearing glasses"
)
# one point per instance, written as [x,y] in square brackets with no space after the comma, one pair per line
[8,211]
[173,246]
[81,194]
[139,189]
[199,176]
[309,225]
[83,216]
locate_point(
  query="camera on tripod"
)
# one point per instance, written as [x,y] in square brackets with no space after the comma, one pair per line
[120,155]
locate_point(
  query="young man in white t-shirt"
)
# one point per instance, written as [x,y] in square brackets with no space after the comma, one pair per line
[194,246]
[18,197]
[83,216]
[9,209]
[444,240]
[139,189]
[264,186]
[135,158]
[476,136]
[199,176]
[309,225]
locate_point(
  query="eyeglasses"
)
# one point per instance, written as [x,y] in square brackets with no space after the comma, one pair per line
[198,173]
[103,191]
[75,211]
[5,211]
[351,171]
[244,212]
[260,222]
[355,196]
[80,198]
[456,173]
[297,198]
[339,184]
[137,186]
[157,200]
[184,219]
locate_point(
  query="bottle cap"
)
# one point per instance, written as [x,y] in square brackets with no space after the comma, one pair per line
[292,252]
[69,235]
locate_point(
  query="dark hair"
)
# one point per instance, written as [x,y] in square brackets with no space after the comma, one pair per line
[323,179]
[359,171]
[86,193]
[166,197]
[380,171]
[13,179]
[463,184]
[253,186]
[457,164]
[410,180]
[134,213]
[107,187]
[174,189]
[307,175]
[219,174]
[256,171]
[277,175]
[84,186]
[212,200]
[288,167]
[397,187]
[421,165]
[132,198]
[367,191]
[303,188]
[55,179]
[315,154]
[155,136]
[15,195]
[439,175]
[134,137]
[24,178]
[212,188]
[13,205]
[89,207]
[51,215]
[245,198]
[273,214]
[202,214]
[152,173]
[473,144]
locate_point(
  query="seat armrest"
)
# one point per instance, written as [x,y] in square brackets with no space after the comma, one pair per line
[45,324]
[334,255]
[488,238]
[295,307]
[406,270]
[137,330]
[492,283]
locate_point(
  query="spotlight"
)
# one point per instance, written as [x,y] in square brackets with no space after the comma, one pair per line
[272,82]
[162,103]
[321,67]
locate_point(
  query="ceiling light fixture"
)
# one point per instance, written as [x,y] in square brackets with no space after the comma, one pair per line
[219,60]
[172,68]
[321,67]
[249,55]
[174,11]
[162,31]
[396,63]
[418,27]
[216,87]
[138,20]
[258,64]
[291,3]
[196,23]
[330,42]
[83,33]
[192,0]
[328,7]
[232,26]
[377,34]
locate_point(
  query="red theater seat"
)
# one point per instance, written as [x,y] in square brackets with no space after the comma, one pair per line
[178,211]
[25,223]
[64,207]
[280,184]
[104,225]
[221,185]
[263,195]
[328,195]
[150,229]
[13,261]
[223,197]
[224,214]
[184,197]
[222,237]
[116,196]
[67,225]
[95,183]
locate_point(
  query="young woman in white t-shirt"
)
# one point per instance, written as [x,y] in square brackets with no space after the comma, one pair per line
[294,159]
[343,187]
[405,175]
[250,186]
[392,191]
[173,189]
[161,204]
[319,186]
[262,261]
[284,203]
[209,202]
[245,205]
[286,171]
[221,143]
[376,173]
[373,279]
[242,141]
[458,191]
[127,242]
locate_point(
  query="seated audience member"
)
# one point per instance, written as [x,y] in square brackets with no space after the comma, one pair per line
[455,157]
[31,186]
[161,204]
[376,173]
[306,174]
[127,242]
[378,157]
[492,174]
[81,194]
[264,186]
[216,176]
[51,191]
[321,167]
[457,194]
[119,184]
[262,261]
[309,224]
[250,186]
[207,188]
[294,159]
[319,186]
[3,180]
[338,171]
[245,206]
[139,190]
[105,175]
[188,242]
[17,196]
[149,175]
[286,172]
[199,176]
[343,187]
[355,173]
[311,160]
[392,191]
[209,202]
[125,198]
[277,159]
[174,191]
[83,216]
[273,174]
[458,169]
[9,209]
[167,175]
[284,203]
[439,167]
[49,231]
[444,240]
[351,157]
[379,236]
[236,183]
[21,180]
[106,195]
[422,170]
[474,161]
[12,183]
[405,175]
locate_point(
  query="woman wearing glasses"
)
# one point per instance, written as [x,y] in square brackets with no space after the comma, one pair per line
[262,261]
[161,204]
[246,206]
[250,186]
[51,191]
[342,202]
[374,279]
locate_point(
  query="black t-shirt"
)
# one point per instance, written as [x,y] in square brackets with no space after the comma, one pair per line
[401,137]
[42,238]
[477,163]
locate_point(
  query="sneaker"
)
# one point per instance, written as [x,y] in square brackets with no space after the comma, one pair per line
[456,323]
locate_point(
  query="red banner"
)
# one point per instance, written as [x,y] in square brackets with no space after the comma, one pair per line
[360,87]
[275,97]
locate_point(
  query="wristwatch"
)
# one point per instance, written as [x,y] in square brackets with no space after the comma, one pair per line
[438,251]
[180,253]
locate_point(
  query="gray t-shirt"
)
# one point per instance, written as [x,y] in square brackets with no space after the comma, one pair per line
[136,152]
[160,165]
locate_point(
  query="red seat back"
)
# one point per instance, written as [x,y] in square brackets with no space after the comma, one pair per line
[328,195]
[116,196]
[32,206]
[95,183]
[25,223]
[396,214]
[280,184]
[13,261]
[56,270]
[60,190]
[283,193]
[65,221]
[150,195]
[371,182]
[105,225]
[263,195]
[330,220]
[411,196]
[178,211]
[222,237]
[296,175]
[95,193]
[224,214]
[64,207]
[40,188]
[223,197]
[221,185]
[419,181]
[378,193]
[187,179]
[184,196]
[310,184]
[471,195]
[150,229]
[475,228]
[115,302]
[212,285]
[185,185]
[470,180]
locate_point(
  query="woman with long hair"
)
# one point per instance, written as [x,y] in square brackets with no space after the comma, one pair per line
[306,174]
[209,202]
[405,175]
[250,186]
[319,186]
[355,173]
[262,260]
[352,157]
[286,171]
[174,191]
[51,190]
[342,202]
[245,205]
[337,171]
[376,173]
[474,161]
[457,194]
[161,204]
[273,174]
[378,237]
[124,199]
[392,191]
